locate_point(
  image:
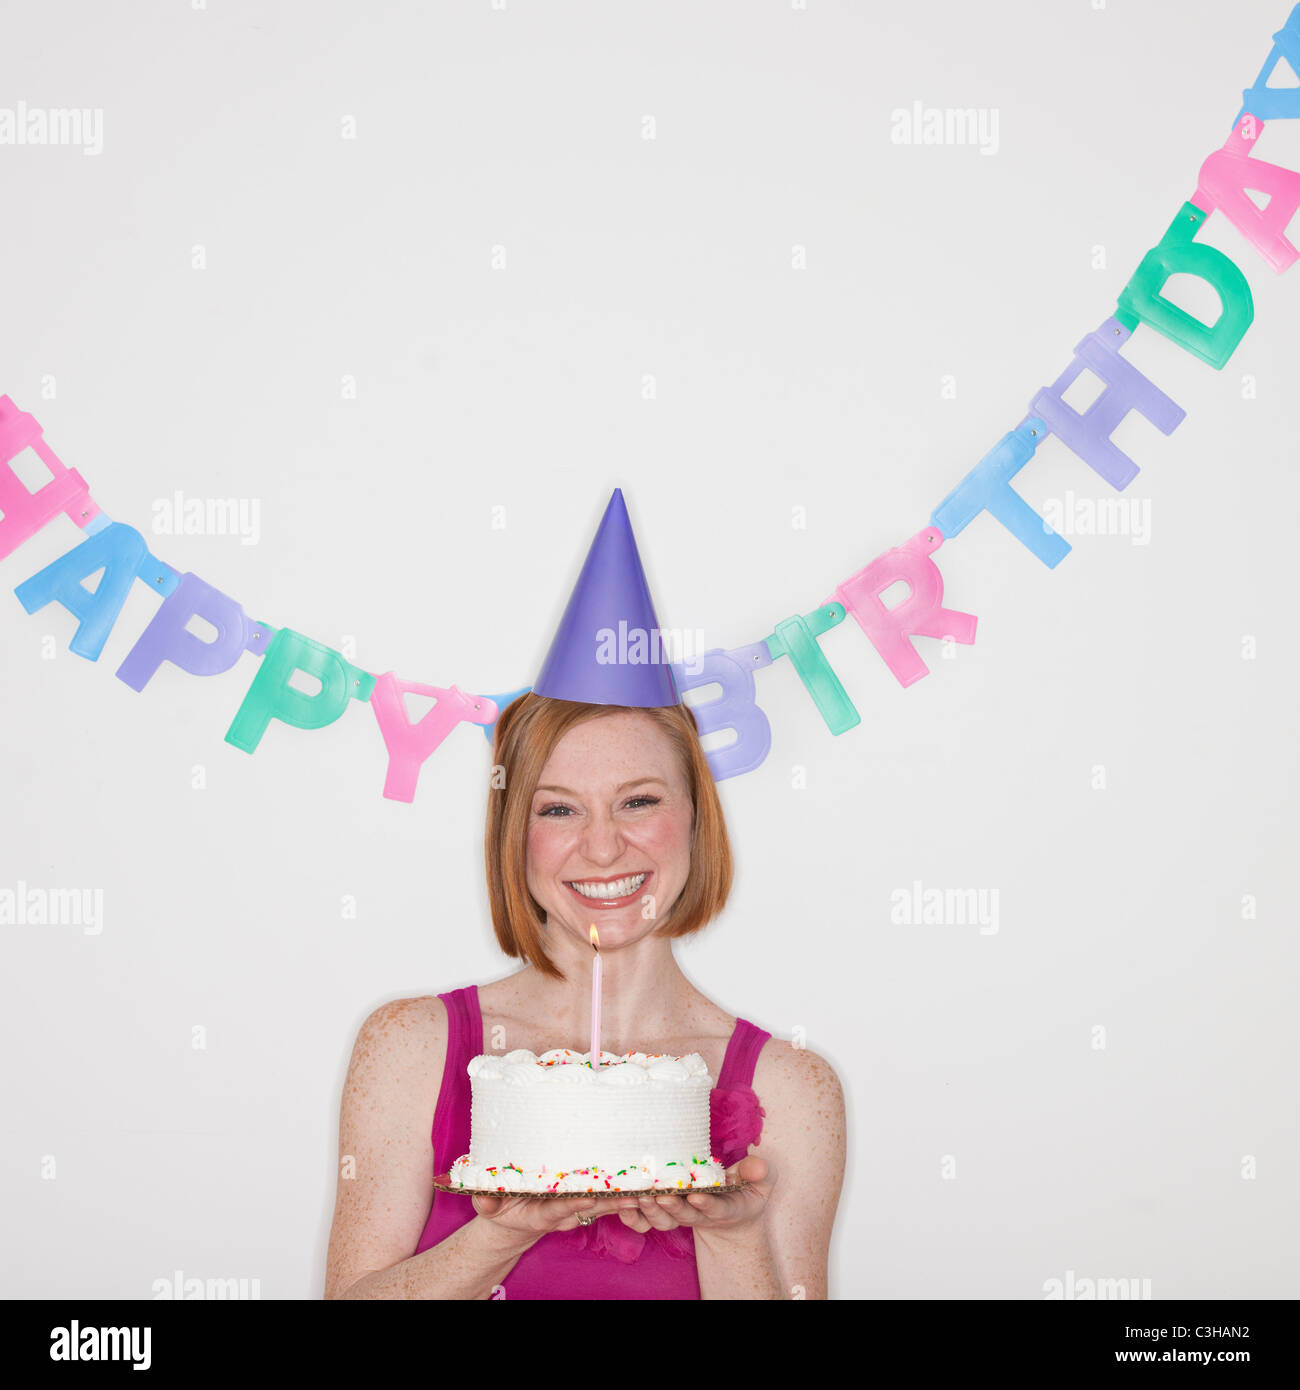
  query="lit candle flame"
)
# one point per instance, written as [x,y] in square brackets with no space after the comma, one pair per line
[595,937]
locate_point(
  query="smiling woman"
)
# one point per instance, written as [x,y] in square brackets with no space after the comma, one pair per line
[603,813]
[672,846]
[590,795]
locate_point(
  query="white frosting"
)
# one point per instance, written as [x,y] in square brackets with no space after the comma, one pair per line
[555,1123]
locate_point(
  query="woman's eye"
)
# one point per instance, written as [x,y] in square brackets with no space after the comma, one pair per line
[632,801]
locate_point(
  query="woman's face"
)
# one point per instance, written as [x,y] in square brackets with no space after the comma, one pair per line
[609,829]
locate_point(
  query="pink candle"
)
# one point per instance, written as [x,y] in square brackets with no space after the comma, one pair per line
[595,998]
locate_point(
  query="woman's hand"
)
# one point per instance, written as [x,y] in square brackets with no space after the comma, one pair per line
[705,1210]
[529,1218]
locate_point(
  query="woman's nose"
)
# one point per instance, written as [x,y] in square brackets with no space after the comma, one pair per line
[602,837]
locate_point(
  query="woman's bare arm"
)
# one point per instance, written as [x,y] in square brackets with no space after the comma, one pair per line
[386,1174]
[785,1253]
[386,1167]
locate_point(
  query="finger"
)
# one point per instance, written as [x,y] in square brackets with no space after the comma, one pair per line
[678,1209]
[718,1209]
[574,1218]
[581,1207]
[634,1220]
[659,1219]
[751,1168]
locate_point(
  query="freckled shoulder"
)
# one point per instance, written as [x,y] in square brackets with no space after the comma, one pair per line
[796,1083]
[403,1045]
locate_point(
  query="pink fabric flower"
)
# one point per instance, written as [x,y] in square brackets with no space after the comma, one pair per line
[608,1236]
[735,1122]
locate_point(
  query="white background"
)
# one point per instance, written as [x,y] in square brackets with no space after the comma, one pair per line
[774,388]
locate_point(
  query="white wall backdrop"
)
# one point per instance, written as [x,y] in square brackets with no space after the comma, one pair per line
[563,247]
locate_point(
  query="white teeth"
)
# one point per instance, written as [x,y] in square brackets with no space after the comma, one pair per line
[620,888]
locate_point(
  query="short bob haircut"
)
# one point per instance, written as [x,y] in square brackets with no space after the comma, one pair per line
[527,731]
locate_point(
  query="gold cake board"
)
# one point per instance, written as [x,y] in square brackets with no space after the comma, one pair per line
[440,1184]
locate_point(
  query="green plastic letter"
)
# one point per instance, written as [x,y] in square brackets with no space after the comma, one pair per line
[272,697]
[1141,300]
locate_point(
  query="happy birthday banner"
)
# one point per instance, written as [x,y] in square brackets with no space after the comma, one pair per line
[1227,178]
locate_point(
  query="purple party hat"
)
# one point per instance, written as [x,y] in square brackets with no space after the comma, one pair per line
[608,649]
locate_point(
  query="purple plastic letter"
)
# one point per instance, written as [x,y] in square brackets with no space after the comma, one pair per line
[735,708]
[166,637]
[1088,434]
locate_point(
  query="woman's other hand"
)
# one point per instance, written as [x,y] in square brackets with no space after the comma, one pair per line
[712,1211]
[532,1217]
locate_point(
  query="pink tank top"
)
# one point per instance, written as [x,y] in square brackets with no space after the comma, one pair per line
[606,1259]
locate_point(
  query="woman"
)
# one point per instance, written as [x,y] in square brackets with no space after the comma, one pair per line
[589,793]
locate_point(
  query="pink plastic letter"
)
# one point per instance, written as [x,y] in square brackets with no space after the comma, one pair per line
[26,512]
[1228,173]
[920,614]
[410,745]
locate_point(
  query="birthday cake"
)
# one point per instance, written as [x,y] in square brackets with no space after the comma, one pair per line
[554,1124]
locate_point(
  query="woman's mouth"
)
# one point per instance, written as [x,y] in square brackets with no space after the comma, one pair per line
[605,893]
